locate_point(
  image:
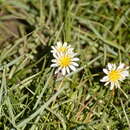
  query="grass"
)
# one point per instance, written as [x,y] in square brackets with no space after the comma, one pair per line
[31,96]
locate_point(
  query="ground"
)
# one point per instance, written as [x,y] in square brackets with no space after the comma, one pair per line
[32,96]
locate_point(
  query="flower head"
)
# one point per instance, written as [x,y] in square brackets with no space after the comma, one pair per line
[115,74]
[61,48]
[65,62]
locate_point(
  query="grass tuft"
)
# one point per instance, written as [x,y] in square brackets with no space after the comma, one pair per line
[31,95]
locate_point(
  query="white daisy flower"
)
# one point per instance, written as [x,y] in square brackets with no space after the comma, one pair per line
[115,74]
[65,62]
[61,48]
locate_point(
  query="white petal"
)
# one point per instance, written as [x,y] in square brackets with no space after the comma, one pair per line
[122,77]
[53,47]
[75,59]
[65,44]
[64,71]
[106,83]
[53,60]
[68,70]
[54,65]
[57,71]
[59,44]
[121,66]
[125,73]
[105,71]
[72,53]
[55,55]
[104,79]
[113,66]
[52,51]
[72,67]
[75,64]
[60,54]
[69,46]
[109,66]
[117,84]
[112,85]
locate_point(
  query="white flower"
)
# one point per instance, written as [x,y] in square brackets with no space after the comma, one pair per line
[59,48]
[115,74]
[65,62]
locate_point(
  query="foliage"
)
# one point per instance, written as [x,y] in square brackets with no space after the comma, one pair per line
[31,96]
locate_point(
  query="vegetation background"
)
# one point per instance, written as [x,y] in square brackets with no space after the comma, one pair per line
[31,96]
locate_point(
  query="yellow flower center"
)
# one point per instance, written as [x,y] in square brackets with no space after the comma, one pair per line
[62,49]
[114,75]
[64,61]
